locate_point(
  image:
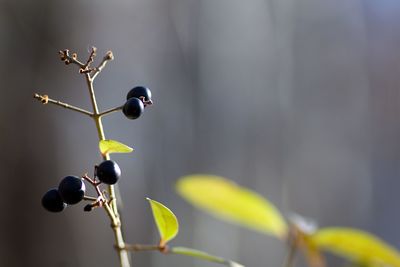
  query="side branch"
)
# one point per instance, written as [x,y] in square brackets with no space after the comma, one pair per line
[289,261]
[108,57]
[68,59]
[106,112]
[140,247]
[89,198]
[45,100]
[85,68]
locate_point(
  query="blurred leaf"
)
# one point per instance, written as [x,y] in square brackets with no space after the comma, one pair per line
[363,264]
[231,202]
[203,255]
[166,221]
[112,146]
[356,245]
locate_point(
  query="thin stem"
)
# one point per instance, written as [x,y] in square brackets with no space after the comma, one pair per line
[89,83]
[89,198]
[101,198]
[108,57]
[45,100]
[91,181]
[64,54]
[115,222]
[139,247]
[111,209]
[90,60]
[289,261]
[106,112]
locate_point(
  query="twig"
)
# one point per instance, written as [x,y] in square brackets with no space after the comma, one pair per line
[139,247]
[89,198]
[91,57]
[292,243]
[45,100]
[108,57]
[110,111]
[64,54]
[289,261]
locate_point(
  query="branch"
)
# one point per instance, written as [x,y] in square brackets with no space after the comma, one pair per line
[289,261]
[106,112]
[108,57]
[92,55]
[139,247]
[45,100]
[64,54]
[89,198]
[85,67]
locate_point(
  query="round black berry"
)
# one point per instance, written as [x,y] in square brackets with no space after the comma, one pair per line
[108,172]
[71,189]
[139,91]
[52,201]
[133,108]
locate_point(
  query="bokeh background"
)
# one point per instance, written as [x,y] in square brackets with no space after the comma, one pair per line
[298,100]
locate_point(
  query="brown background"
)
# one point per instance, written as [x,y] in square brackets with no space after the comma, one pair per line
[298,100]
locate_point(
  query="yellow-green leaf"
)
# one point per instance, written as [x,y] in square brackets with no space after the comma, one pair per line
[228,201]
[166,221]
[356,245]
[364,264]
[203,255]
[112,146]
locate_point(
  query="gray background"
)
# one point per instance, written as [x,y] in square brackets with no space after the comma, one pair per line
[298,100]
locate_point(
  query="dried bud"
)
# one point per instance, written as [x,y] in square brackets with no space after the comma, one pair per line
[62,55]
[88,207]
[109,56]
[94,50]
[44,99]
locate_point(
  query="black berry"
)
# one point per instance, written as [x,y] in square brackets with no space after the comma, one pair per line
[52,201]
[108,172]
[133,108]
[88,207]
[72,189]
[139,91]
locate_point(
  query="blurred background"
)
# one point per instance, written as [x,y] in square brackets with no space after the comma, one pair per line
[297,100]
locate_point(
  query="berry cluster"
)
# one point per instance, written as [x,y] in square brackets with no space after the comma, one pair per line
[137,99]
[71,189]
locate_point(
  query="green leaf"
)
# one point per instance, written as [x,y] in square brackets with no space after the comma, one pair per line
[203,255]
[228,201]
[363,264]
[356,245]
[166,221]
[112,146]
